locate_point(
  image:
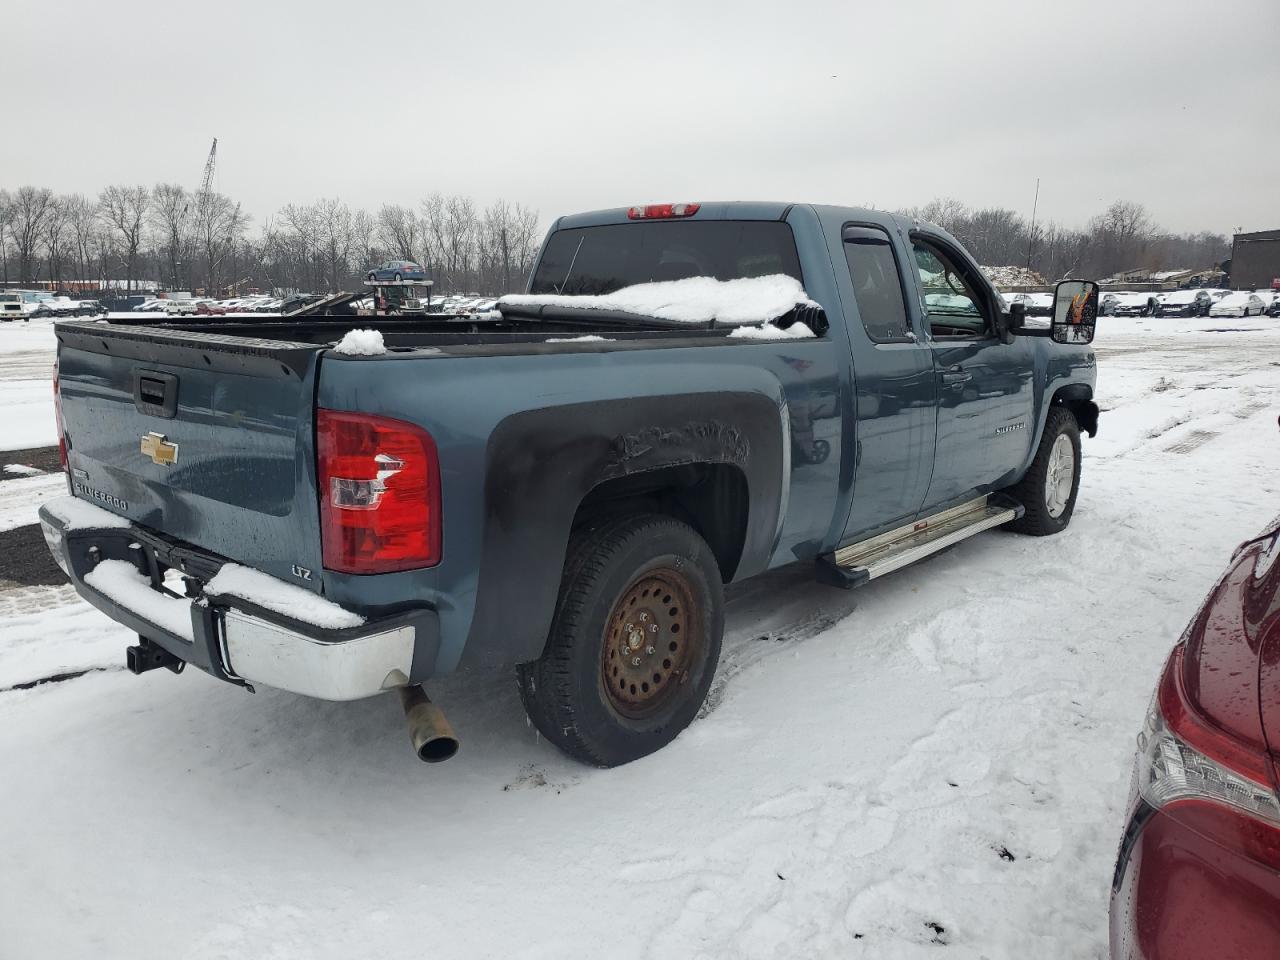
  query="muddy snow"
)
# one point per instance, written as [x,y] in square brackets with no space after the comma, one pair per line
[940,757]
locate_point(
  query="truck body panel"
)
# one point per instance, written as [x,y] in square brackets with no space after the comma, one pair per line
[776,451]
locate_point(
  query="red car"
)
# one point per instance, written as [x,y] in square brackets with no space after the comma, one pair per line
[1198,871]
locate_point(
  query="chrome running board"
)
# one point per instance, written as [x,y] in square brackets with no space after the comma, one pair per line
[857,563]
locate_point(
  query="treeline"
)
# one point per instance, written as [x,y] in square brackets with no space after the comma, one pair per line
[1122,238]
[203,242]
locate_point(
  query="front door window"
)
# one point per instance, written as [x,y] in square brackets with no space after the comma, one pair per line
[953,304]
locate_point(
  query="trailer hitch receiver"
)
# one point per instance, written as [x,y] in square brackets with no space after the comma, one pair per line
[149,656]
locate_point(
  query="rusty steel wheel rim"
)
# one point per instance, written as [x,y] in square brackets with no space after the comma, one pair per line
[650,641]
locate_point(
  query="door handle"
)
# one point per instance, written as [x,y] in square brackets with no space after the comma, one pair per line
[954,376]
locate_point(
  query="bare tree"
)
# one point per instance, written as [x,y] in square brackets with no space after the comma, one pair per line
[333,236]
[399,233]
[1127,221]
[219,225]
[28,211]
[171,215]
[362,233]
[6,214]
[124,209]
[506,239]
[56,237]
[297,237]
[946,212]
[82,223]
[433,231]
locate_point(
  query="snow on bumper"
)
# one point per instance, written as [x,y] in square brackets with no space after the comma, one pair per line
[235,635]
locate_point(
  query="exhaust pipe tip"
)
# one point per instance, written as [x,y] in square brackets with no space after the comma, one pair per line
[430,733]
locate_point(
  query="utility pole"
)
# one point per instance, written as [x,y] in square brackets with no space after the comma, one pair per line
[1031,234]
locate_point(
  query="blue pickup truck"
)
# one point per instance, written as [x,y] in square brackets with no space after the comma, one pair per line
[559,486]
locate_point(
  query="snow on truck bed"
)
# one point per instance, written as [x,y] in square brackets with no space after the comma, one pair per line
[361,343]
[692,300]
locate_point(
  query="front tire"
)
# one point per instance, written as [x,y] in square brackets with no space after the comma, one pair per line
[634,642]
[1048,490]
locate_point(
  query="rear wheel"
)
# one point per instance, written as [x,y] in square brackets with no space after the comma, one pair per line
[373,277]
[1048,490]
[634,642]
[398,278]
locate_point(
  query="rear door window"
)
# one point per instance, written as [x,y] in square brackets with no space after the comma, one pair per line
[877,284]
[599,260]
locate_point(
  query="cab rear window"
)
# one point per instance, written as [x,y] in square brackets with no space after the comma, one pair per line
[597,260]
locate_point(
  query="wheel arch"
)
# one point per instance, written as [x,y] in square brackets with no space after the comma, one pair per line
[716,461]
[1078,398]
[712,498]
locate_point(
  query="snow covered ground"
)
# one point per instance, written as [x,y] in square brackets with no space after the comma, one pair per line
[940,757]
[26,398]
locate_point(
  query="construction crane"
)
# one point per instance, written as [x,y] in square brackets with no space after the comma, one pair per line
[206,184]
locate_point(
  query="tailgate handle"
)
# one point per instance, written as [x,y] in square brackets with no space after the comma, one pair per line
[155,393]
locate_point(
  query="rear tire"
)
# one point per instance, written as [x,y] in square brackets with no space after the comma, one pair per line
[643,588]
[1044,490]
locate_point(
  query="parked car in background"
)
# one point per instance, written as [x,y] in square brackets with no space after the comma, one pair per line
[48,306]
[91,308]
[397,270]
[179,308]
[1184,303]
[1039,304]
[207,308]
[1270,301]
[155,305]
[1238,305]
[1198,870]
[1133,305]
[477,305]
[11,306]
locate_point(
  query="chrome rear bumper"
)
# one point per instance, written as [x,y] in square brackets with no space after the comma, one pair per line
[234,638]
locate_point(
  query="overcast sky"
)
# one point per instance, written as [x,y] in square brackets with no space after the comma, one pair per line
[569,106]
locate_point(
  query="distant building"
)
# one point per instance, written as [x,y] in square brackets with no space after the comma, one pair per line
[1255,259]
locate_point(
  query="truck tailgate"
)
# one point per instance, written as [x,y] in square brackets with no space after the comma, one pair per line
[203,437]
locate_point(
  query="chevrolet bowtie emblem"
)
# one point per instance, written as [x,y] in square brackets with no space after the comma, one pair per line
[160,450]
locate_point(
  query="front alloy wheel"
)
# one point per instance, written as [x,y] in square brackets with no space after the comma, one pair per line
[1061,480]
[1048,489]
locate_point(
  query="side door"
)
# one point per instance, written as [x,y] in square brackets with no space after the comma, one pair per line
[985,416]
[895,391]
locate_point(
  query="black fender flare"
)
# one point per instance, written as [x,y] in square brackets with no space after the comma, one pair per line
[541,464]
[1078,398]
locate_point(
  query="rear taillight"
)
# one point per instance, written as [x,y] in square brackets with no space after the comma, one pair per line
[1200,775]
[379,485]
[57,416]
[663,211]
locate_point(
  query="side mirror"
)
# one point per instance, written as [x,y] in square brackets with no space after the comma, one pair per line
[1075,311]
[1010,323]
